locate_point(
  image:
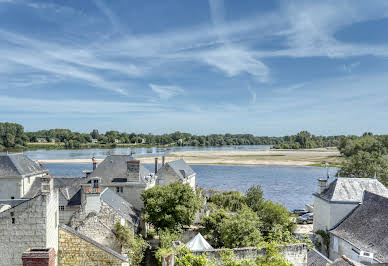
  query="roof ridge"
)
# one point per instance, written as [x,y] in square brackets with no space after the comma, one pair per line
[93,242]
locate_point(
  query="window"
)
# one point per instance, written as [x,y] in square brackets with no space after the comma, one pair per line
[95,183]
[61,208]
[12,197]
[121,189]
[13,220]
[117,189]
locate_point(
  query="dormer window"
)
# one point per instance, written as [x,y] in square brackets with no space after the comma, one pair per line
[95,183]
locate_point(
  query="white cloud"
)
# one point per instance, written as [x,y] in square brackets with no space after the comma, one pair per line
[166,92]
[253,95]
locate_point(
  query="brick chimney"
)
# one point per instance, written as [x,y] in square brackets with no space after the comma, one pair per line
[39,257]
[90,196]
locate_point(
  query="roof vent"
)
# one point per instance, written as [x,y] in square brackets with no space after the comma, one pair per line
[365,257]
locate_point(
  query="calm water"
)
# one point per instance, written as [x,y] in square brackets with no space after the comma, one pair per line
[291,186]
[102,153]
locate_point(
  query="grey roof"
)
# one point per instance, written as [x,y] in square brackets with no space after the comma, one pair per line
[366,226]
[19,165]
[115,166]
[315,258]
[91,241]
[345,261]
[68,186]
[181,168]
[123,207]
[351,189]
[12,202]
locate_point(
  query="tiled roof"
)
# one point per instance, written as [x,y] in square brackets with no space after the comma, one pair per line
[181,168]
[115,166]
[123,207]
[91,241]
[68,186]
[19,165]
[352,189]
[345,261]
[366,226]
[315,258]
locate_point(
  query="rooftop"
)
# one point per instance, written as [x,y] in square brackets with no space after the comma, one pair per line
[116,166]
[315,258]
[181,168]
[19,165]
[123,207]
[366,227]
[352,189]
[345,261]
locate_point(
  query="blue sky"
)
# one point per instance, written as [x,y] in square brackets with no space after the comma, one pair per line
[261,67]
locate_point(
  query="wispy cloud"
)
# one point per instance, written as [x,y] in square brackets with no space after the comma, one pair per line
[166,92]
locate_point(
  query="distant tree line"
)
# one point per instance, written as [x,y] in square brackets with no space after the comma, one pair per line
[12,135]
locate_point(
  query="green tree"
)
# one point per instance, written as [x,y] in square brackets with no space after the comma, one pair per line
[212,227]
[254,198]
[241,229]
[365,165]
[170,206]
[228,200]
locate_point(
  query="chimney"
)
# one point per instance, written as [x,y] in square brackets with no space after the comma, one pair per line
[156,165]
[94,163]
[322,185]
[46,184]
[39,256]
[90,198]
[163,160]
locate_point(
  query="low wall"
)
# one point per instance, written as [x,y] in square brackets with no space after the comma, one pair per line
[296,254]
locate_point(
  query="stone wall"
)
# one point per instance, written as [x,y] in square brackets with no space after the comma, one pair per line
[294,253]
[28,225]
[98,226]
[75,250]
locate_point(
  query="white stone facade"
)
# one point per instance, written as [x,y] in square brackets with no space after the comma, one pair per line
[16,186]
[328,214]
[31,224]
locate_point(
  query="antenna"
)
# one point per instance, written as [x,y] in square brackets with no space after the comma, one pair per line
[327,170]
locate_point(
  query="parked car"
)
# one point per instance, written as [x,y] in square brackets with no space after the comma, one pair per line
[305,218]
[299,211]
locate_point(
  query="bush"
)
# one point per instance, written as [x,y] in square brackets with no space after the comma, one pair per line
[228,200]
[184,257]
[135,243]
[166,237]
[241,230]
[170,206]
[212,227]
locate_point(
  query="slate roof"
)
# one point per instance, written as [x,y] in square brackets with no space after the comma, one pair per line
[351,189]
[366,226]
[315,258]
[13,202]
[68,186]
[115,166]
[123,207]
[19,165]
[180,165]
[91,241]
[345,261]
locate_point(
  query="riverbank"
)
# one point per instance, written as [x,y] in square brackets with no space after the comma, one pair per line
[314,157]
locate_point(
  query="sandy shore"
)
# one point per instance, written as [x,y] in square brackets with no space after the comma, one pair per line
[237,157]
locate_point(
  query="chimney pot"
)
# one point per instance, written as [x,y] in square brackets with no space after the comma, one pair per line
[156,165]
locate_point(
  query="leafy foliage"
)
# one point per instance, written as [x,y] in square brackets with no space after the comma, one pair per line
[212,227]
[166,236]
[228,200]
[365,157]
[170,206]
[241,230]
[12,136]
[184,257]
[135,244]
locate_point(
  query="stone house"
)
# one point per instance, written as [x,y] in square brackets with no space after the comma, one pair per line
[363,234]
[17,174]
[126,176]
[334,201]
[69,191]
[175,171]
[28,223]
[99,213]
[78,249]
